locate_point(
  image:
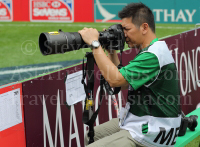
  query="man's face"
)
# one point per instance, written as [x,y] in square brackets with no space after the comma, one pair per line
[133,34]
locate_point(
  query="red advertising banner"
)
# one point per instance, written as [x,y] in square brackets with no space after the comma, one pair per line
[6,10]
[52,10]
[12,131]
[48,10]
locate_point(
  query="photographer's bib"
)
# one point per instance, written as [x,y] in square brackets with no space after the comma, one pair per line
[152,114]
[160,130]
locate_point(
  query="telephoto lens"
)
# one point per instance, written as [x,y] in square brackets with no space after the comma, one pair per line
[60,42]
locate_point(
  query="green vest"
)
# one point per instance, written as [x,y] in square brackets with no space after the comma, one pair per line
[154,94]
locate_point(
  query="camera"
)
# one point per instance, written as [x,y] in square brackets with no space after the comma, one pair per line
[60,42]
[188,122]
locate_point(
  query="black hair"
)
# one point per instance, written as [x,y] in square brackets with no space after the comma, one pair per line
[140,14]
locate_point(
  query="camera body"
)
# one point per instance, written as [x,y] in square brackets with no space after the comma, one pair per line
[113,38]
[188,122]
[61,42]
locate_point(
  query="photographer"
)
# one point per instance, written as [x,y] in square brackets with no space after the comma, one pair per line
[151,116]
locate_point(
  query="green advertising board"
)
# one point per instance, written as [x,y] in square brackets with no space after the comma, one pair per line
[170,11]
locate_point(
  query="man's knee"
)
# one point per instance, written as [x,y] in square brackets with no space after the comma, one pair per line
[86,138]
[103,130]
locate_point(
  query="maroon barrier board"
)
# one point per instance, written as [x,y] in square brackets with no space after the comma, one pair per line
[46,111]
[49,122]
[185,49]
[191,61]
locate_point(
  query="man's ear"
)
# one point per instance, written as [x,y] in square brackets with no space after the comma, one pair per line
[144,28]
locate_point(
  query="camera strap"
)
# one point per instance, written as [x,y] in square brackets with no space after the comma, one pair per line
[89,116]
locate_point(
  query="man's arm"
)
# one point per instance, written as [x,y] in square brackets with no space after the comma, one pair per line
[105,65]
[109,69]
[112,55]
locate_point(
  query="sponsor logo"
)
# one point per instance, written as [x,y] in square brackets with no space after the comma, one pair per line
[59,126]
[6,10]
[184,15]
[54,127]
[105,11]
[167,138]
[51,10]
[55,4]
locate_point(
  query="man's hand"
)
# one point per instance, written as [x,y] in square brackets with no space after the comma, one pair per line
[105,65]
[110,51]
[89,35]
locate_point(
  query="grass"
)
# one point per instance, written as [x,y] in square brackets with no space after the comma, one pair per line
[194,143]
[19,40]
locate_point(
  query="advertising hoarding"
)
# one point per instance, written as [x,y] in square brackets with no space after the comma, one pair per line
[6,10]
[52,10]
[173,11]
[12,129]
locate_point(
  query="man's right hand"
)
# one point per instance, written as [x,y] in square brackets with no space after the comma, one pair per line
[112,55]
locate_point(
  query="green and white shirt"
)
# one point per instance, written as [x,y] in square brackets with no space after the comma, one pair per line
[154,116]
